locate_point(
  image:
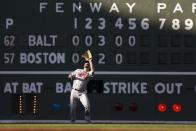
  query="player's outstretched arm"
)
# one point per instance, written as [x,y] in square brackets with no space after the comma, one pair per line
[88,57]
[91,67]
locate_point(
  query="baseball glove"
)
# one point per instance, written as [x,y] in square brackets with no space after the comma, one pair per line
[87,55]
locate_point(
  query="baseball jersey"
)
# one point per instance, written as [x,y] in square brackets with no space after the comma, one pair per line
[81,79]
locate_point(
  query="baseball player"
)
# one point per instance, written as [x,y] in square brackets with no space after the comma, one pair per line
[79,89]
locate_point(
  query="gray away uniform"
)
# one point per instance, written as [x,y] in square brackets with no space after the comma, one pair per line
[79,91]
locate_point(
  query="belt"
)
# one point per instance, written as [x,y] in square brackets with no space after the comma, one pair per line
[79,90]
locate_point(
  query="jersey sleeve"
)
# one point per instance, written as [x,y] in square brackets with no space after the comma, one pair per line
[73,74]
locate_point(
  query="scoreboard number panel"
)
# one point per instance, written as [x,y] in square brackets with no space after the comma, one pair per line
[144,54]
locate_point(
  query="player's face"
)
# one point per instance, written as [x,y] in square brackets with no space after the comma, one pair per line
[86,65]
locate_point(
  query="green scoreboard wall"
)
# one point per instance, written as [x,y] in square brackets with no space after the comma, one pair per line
[143,51]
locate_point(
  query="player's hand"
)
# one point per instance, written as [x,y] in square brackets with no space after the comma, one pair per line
[69,76]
